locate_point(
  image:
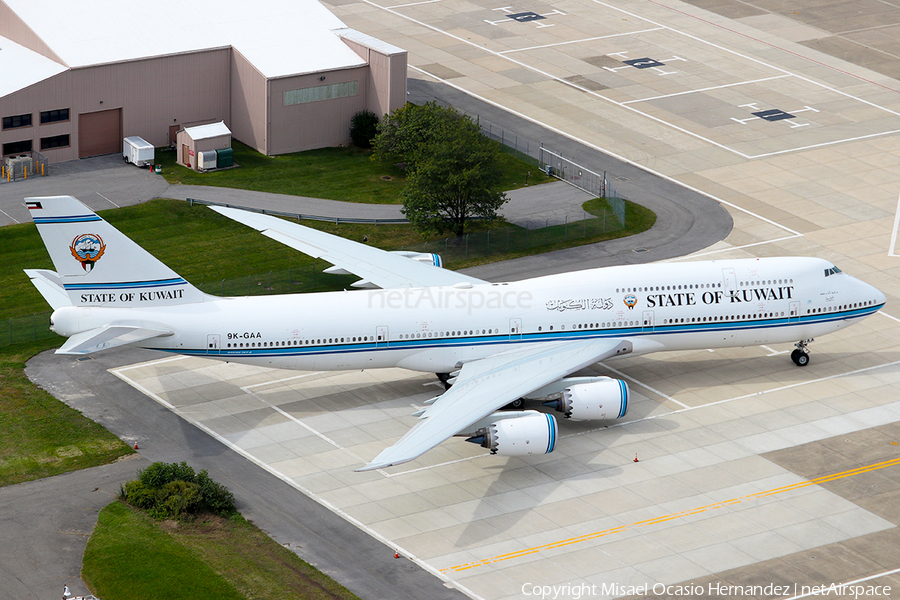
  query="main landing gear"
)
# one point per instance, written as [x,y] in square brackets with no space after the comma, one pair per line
[800,356]
[444,378]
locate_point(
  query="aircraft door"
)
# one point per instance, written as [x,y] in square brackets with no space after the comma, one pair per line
[647,321]
[794,314]
[730,280]
[515,329]
[381,336]
[213,343]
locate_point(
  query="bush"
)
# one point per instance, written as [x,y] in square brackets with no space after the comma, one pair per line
[159,474]
[363,127]
[167,490]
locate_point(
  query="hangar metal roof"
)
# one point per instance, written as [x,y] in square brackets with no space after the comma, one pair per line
[204,132]
[279,37]
[24,67]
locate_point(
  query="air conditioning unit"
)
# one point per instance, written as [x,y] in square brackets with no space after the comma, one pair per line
[206,160]
[16,165]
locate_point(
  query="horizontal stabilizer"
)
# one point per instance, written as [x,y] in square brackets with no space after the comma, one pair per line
[49,284]
[108,336]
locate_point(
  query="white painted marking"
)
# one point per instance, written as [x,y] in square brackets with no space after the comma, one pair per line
[305,375]
[290,481]
[644,385]
[8,215]
[706,89]
[772,351]
[414,3]
[151,363]
[601,37]
[844,585]
[299,422]
[893,249]
[434,466]
[893,318]
[107,199]
[693,256]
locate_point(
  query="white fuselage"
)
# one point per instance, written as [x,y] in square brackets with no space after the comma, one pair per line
[673,306]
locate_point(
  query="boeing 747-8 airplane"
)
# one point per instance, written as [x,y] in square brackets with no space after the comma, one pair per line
[492,344]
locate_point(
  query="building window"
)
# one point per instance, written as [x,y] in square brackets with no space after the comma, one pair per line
[17,147]
[52,116]
[321,92]
[57,141]
[17,121]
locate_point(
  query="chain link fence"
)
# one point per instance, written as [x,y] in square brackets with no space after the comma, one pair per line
[23,165]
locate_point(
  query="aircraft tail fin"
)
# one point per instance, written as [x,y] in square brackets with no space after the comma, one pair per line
[97,265]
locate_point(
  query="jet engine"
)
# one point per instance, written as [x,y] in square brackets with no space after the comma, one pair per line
[599,400]
[531,433]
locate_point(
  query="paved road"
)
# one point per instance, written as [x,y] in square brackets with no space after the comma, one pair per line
[321,537]
[45,525]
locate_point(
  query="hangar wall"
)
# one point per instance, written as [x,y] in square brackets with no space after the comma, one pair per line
[195,88]
[386,81]
[154,97]
[305,122]
[249,115]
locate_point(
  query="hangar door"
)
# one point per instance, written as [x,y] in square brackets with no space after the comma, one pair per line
[99,132]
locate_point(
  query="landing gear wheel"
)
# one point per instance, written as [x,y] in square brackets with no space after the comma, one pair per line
[518,404]
[444,378]
[800,358]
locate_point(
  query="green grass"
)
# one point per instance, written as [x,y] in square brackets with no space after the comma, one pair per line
[332,173]
[131,557]
[39,435]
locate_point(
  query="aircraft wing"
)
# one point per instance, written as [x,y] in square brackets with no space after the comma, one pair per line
[485,385]
[384,269]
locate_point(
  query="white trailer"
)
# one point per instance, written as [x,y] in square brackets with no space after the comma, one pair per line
[138,151]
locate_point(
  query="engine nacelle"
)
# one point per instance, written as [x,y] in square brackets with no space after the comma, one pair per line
[531,433]
[600,400]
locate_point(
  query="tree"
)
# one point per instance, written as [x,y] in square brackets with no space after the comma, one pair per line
[453,171]
[458,181]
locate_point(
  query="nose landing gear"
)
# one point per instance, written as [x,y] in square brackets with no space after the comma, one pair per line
[800,356]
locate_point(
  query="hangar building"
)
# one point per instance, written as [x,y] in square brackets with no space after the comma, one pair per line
[283,75]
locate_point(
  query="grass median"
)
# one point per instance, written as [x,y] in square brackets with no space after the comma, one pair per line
[346,174]
[131,555]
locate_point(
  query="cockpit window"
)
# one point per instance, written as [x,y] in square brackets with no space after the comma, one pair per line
[832,271]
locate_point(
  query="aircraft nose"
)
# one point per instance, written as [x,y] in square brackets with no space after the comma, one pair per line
[874,293]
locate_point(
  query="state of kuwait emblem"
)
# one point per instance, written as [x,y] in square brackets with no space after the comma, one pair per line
[87,249]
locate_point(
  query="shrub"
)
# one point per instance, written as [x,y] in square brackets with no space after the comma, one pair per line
[173,489]
[363,127]
[159,474]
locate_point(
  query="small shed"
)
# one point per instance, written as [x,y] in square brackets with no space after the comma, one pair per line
[191,141]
